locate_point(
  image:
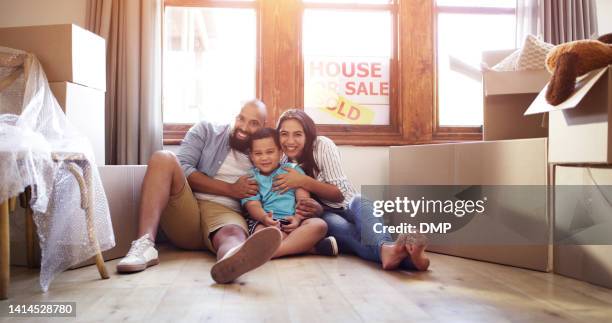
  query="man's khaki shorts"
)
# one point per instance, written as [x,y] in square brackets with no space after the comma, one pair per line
[188,222]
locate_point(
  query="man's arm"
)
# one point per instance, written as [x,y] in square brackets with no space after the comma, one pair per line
[189,155]
[191,148]
[245,186]
[308,208]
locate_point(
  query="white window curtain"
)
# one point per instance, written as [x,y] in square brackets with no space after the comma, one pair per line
[527,20]
[132,29]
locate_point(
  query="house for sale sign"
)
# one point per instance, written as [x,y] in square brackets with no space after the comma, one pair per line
[347,90]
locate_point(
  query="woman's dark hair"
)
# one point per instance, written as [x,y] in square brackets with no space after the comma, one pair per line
[306,160]
[264,133]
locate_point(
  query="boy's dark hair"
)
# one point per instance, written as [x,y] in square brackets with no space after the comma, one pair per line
[264,133]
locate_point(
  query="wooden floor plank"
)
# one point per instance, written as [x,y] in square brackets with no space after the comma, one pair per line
[374,299]
[456,289]
[318,289]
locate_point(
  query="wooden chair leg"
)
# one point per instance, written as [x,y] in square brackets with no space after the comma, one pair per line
[12,203]
[86,187]
[29,232]
[90,222]
[29,229]
[5,250]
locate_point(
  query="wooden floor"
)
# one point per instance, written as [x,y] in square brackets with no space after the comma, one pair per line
[319,289]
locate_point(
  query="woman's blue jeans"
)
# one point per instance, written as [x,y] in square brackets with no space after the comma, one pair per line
[353,229]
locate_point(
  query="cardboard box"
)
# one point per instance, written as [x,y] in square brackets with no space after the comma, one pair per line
[591,263]
[84,107]
[122,187]
[510,82]
[503,118]
[68,53]
[506,97]
[579,130]
[509,162]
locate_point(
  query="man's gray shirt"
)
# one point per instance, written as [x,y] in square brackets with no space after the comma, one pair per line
[204,148]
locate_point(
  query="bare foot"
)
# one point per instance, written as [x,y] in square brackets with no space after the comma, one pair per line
[418,256]
[391,255]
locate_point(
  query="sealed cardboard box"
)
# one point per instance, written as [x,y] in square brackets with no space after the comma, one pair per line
[508,163]
[68,53]
[506,97]
[84,107]
[579,128]
[122,187]
[583,215]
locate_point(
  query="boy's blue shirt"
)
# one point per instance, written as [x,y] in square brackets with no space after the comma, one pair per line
[281,205]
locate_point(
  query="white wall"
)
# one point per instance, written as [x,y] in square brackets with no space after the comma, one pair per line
[15,13]
[604,16]
[366,165]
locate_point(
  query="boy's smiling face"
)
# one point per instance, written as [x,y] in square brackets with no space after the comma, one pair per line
[265,155]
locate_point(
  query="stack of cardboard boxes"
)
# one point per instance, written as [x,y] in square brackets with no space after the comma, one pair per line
[580,150]
[74,61]
[514,152]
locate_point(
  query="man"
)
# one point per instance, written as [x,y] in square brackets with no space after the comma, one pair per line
[194,196]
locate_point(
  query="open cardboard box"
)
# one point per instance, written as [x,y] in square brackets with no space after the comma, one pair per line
[506,96]
[579,128]
[505,163]
[510,82]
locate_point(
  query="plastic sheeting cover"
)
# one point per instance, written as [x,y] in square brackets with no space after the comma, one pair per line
[38,148]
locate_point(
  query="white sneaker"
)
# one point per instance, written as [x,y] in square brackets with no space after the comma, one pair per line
[142,254]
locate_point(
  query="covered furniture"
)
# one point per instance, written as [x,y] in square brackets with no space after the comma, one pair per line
[46,162]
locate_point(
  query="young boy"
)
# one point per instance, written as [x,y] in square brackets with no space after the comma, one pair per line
[272,209]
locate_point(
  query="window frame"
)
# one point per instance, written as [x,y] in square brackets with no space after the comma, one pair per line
[413,106]
[352,134]
[457,132]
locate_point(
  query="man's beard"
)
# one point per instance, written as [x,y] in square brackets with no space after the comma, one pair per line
[238,144]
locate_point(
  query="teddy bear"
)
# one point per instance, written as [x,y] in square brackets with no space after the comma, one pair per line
[569,60]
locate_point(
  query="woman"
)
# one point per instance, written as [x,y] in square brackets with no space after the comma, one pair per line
[320,159]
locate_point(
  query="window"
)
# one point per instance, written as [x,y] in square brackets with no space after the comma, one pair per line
[466,28]
[347,58]
[363,69]
[209,63]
